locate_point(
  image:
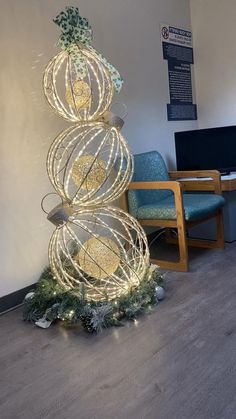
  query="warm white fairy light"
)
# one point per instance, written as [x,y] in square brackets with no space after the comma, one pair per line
[105,169]
[97,82]
[67,250]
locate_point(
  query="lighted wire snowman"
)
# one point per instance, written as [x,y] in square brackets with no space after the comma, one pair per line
[96,249]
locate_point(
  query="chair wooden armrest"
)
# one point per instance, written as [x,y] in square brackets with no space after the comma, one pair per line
[174,186]
[179,223]
[212,184]
[171,185]
[161,184]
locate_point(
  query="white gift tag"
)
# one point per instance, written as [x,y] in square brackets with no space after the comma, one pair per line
[29,295]
[43,323]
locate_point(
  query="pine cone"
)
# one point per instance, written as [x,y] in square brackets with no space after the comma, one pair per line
[86,323]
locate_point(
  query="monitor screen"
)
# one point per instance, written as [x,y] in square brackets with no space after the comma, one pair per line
[204,149]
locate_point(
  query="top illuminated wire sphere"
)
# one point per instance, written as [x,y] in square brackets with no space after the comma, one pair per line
[78,96]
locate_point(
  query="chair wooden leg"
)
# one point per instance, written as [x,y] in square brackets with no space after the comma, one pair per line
[183,243]
[172,266]
[205,243]
[212,244]
[182,264]
[220,241]
[183,247]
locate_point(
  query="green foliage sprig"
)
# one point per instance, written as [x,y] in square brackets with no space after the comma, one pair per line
[50,301]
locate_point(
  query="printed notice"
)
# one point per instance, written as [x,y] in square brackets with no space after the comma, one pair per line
[178,51]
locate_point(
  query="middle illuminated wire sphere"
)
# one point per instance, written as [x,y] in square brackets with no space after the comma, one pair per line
[102,251]
[78,96]
[90,164]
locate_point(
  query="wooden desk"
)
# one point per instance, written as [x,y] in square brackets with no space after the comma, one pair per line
[228,183]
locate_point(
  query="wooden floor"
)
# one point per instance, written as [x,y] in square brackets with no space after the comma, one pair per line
[177,363]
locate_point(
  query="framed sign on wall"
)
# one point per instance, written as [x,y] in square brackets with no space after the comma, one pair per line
[178,51]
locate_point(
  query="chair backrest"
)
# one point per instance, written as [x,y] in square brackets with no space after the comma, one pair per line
[148,166]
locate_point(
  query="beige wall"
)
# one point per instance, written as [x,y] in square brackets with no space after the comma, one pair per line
[214,34]
[127,32]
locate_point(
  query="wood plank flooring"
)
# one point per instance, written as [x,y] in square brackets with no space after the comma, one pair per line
[177,363]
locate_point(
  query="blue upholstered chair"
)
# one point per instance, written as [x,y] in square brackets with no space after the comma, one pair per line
[155,199]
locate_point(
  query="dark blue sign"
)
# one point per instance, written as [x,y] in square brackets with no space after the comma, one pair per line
[180,82]
[180,58]
[181,112]
[177,52]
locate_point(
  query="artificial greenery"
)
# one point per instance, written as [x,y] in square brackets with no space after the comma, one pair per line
[49,302]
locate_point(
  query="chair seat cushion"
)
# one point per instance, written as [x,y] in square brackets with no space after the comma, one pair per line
[196,207]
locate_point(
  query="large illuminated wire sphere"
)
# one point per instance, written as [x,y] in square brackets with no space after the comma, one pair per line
[76,96]
[90,164]
[101,252]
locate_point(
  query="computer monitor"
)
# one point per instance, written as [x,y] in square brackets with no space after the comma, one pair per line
[205,149]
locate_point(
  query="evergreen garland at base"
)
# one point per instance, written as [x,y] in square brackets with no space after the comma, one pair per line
[50,302]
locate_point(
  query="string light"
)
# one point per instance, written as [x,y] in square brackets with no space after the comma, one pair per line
[90,164]
[101,282]
[71,313]
[97,87]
